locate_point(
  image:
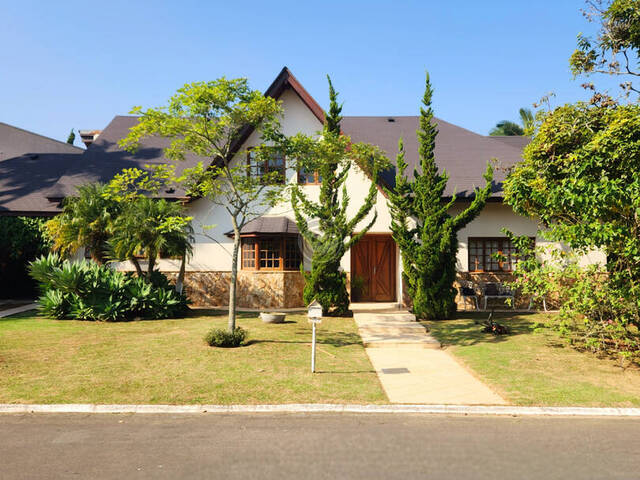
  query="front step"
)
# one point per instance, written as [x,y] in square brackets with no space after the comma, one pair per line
[396,341]
[387,323]
[392,330]
[401,316]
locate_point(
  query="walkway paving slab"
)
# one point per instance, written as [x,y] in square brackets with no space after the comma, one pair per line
[433,377]
[411,365]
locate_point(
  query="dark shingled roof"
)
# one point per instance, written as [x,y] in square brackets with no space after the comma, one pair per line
[104,158]
[36,171]
[29,165]
[462,153]
[15,142]
[267,224]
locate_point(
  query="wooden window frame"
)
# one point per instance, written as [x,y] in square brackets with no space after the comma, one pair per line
[268,170]
[484,241]
[316,179]
[282,239]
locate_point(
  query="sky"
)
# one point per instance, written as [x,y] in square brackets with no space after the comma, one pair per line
[78,64]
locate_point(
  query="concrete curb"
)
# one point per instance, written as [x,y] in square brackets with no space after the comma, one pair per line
[326,408]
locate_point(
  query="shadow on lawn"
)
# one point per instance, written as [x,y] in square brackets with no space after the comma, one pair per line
[335,339]
[467,328]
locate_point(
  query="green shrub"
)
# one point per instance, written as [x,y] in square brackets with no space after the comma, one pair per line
[219,337]
[54,304]
[85,290]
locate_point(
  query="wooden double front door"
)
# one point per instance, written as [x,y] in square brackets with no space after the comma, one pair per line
[373,269]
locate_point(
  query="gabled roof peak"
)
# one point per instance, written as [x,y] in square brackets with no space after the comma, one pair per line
[286,79]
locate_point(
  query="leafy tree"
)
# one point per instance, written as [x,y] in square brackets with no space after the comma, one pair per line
[506,128]
[332,155]
[527,119]
[84,222]
[509,128]
[207,119]
[425,232]
[71,138]
[580,178]
[615,49]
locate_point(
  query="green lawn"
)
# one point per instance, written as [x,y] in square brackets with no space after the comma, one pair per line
[167,361]
[536,367]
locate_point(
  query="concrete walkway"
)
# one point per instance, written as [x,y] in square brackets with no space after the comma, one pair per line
[20,309]
[410,363]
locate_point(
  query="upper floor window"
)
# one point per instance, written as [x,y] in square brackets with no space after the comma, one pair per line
[308,178]
[483,250]
[274,166]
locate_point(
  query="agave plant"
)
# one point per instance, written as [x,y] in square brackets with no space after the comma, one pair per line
[85,290]
[54,303]
[43,269]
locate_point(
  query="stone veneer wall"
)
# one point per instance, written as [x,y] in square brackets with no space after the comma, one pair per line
[272,290]
[268,290]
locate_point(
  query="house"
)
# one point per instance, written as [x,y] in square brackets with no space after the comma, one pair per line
[272,250]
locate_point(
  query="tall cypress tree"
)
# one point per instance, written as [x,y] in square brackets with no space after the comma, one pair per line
[332,157]
[425,232]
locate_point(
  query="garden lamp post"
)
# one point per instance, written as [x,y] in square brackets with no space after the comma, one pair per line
[315,317]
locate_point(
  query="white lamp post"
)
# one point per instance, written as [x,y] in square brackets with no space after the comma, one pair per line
[315,317]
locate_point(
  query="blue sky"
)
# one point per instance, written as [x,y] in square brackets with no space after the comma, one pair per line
[77,64]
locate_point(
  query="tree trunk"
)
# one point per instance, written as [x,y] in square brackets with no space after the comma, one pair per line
[180,279]
[136,264]
[97,256]
[234,279]
[152,263]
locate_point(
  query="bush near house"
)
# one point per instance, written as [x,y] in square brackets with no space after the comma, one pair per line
[88,291]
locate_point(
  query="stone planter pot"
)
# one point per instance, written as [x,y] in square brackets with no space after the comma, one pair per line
[272,317]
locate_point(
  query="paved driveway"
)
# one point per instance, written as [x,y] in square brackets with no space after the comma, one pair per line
[317,446]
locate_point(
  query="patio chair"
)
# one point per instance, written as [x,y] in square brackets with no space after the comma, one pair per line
[468,292]
[497,291]
[533,298]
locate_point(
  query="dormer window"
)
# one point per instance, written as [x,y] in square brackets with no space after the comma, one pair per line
[275,166]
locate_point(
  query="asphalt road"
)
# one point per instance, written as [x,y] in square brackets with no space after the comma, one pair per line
[316,446]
